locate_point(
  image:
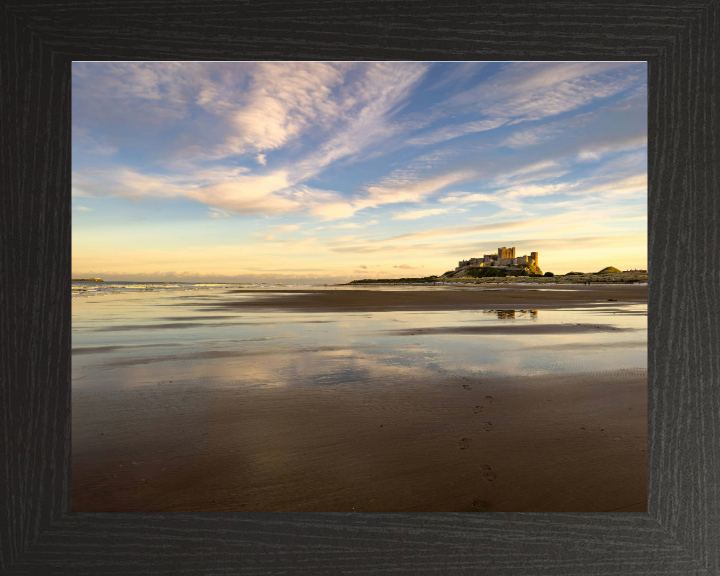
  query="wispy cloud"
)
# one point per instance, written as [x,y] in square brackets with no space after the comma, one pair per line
[126,183]
[546,132]
[619,145]
[82,140]
[470,198]
[280,103]
[395,189]
[527,92]
[381,89]
[625,187]
[532,90]
[416,214]
[454,231]
[455,131]
[356,225]
[459,75]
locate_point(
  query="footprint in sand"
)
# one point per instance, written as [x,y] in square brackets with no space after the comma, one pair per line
[487,426]
[478,408]
[481,504]
[464,443]
[488,474]
[467,387]
[489,399]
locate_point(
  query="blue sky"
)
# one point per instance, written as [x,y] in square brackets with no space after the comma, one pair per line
[325,172]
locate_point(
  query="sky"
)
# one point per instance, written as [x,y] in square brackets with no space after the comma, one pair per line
[324,172]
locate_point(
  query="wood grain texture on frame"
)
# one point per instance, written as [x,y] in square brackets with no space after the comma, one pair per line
[679,535]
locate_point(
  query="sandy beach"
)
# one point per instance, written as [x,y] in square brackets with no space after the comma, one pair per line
[446,399]
[375,298]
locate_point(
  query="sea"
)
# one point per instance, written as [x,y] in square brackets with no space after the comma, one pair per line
[93,288]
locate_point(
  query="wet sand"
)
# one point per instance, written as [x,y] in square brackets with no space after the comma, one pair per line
[514,330]
[573,443]
[387,439]
[371,299]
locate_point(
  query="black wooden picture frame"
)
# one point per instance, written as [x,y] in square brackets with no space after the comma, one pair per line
[680,533]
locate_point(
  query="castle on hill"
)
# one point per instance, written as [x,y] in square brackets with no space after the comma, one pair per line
[504,257]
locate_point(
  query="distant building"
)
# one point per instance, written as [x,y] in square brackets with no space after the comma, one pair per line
[637,271]
[504,257]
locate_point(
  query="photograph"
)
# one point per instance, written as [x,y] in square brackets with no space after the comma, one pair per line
[373,286]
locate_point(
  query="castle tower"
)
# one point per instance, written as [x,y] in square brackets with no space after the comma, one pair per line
[506,252]
[534,256]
